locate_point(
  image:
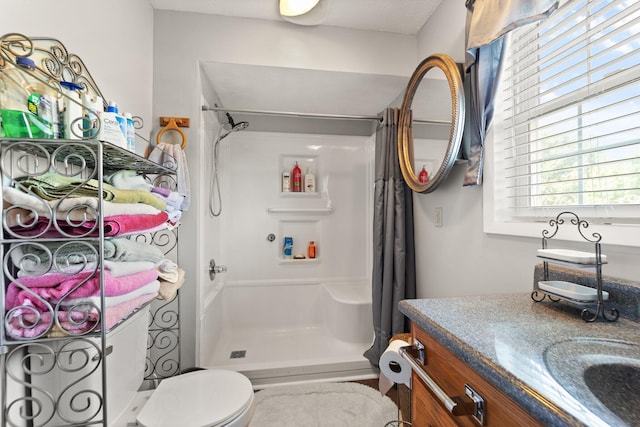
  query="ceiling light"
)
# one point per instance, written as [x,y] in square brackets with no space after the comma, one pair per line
[296,7]
[304,12]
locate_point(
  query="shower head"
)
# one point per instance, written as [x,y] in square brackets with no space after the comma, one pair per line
[235,127]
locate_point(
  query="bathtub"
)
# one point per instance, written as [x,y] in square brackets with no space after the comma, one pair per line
[277,333]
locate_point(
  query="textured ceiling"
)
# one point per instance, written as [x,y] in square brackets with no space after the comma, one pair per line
[397,16]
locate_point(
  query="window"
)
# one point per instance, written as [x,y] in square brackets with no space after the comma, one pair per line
[567,118]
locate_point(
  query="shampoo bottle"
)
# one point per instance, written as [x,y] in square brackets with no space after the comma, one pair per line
[296,176]
[309,182]
[286,181]
[423,176]
[93,110]
[70,111]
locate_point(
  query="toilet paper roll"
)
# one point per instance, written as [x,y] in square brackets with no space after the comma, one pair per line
[393,368]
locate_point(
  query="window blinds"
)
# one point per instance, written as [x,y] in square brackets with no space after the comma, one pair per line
[568,112]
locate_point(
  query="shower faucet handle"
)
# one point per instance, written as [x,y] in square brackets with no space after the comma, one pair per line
[215,269]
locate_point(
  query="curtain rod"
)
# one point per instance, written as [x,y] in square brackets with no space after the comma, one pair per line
[313,115]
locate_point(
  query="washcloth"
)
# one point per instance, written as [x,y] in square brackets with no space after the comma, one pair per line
[35,325]
[51,186]
[169,288]
[164,192]
[128,180]
[172,156]
[115,225]
[33,291]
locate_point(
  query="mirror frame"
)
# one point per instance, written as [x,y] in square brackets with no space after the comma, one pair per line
[405,130]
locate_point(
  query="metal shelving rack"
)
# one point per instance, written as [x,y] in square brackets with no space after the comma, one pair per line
[71,348]
[539,294]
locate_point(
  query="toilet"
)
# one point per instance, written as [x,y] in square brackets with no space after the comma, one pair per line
[205,398]
[202,398]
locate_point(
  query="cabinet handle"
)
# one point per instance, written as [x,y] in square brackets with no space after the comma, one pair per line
[455,405]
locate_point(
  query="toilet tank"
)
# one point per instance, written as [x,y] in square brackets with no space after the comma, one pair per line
[76,378]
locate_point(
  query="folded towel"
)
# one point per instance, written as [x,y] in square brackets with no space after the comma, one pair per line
[37,291]
[116,268]
[149,288]
[51,186]
[75,208]
[169,289]
[128,180]
[115,225]
[34,324]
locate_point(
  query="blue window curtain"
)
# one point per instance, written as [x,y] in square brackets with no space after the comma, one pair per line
[487,23]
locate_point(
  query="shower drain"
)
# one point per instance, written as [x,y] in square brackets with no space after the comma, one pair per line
[238,354]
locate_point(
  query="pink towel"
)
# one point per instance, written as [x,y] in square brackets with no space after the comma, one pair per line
[115,225]
[32,325]
[54,287]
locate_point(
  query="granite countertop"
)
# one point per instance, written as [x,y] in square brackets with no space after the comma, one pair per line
[535,352]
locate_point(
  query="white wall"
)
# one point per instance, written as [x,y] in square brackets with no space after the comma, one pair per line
[114,39]
[459,258]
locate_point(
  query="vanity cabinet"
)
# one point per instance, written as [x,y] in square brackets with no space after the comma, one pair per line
[452,374]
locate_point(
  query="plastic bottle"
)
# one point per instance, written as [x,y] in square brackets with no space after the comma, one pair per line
[309,182]
[311,250]
[296,176]
[93,110]
[15,119]
[70,110]
[17,87]
[131,133]
[286,181]
[114,126]
[287,249]
[423,176]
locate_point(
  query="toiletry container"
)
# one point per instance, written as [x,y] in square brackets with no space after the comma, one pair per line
[114,127]
[131,133]
[296,177]
[309,182]
[93,109]
[71,111]
[16,86]
[286,181]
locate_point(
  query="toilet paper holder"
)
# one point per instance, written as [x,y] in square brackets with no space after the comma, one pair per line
[469,404]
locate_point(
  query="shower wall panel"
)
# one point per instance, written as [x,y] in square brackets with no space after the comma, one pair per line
[257,215]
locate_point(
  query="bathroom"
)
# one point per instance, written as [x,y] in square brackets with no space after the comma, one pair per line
[157,70]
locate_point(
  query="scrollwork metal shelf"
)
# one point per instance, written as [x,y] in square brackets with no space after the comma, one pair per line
[588,314]
[52,354]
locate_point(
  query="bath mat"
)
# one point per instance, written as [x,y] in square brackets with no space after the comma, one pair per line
[323,405]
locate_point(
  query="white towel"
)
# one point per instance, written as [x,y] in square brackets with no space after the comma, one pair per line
[173,157]
[128,180]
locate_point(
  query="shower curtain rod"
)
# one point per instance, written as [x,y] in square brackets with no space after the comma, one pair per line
[313,115]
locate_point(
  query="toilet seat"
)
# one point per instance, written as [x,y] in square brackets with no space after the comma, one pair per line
[205,398]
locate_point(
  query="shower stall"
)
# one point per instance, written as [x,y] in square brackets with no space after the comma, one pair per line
[276,318]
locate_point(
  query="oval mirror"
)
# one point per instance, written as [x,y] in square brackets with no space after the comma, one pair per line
[431,123]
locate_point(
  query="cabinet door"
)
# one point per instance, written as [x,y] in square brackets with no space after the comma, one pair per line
[425,410]
[451,374]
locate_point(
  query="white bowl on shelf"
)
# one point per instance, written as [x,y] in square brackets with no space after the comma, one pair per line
[568,255]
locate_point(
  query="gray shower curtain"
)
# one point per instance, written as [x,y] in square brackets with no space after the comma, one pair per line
[394,267]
